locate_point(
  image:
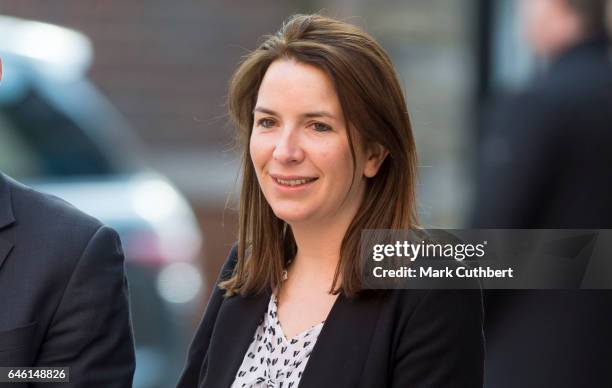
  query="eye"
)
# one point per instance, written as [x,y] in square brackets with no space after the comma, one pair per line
[265,122]
[320,127]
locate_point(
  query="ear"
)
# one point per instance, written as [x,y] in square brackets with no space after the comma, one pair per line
[375,156]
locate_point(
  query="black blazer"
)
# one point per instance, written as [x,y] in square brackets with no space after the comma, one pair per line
[400,338]
[63,293]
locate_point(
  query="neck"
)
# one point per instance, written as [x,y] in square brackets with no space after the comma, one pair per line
[568,35]
[564,46]
[318,247]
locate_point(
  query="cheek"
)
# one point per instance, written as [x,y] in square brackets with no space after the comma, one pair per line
[259,149]
[336,159]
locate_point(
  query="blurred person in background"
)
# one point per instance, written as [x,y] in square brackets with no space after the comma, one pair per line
[546,162]
[328,151]
[63,291]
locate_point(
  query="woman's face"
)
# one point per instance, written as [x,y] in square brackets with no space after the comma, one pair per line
[300,149]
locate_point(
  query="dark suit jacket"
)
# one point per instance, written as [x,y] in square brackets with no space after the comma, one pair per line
[399,338]
[547,163]
[63,293]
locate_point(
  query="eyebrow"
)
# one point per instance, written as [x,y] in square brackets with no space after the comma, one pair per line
[314,114]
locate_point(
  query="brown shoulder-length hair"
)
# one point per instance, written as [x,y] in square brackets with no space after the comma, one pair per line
[375,111]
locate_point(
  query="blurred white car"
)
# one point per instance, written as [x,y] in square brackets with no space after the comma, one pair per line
[61,136]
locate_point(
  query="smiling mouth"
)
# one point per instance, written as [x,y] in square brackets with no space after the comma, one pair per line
[293,182]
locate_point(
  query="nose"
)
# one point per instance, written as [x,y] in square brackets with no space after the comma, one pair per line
[288,148]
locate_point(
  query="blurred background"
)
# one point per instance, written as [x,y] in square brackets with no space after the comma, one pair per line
[119,107]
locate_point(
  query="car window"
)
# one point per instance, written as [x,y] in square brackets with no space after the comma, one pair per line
[38,140]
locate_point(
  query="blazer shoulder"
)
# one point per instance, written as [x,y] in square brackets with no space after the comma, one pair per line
[48,223]
[35,208]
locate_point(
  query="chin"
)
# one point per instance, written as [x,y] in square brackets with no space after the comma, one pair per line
[291,216]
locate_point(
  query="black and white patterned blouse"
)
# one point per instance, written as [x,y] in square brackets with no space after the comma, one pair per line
[273,361]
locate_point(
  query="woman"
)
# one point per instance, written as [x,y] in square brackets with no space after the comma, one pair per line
[328,152]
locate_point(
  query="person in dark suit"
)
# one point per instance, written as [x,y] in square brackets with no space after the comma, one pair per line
[63,292]
[546,160]
[328,151]
[546,163]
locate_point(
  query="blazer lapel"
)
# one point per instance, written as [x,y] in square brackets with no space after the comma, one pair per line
[236,323]
[5,247]
[6,219]
[342,346]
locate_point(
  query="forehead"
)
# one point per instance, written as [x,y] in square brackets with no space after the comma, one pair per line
[297,86]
